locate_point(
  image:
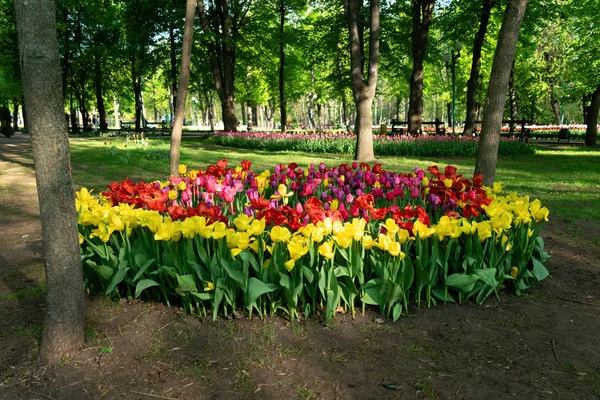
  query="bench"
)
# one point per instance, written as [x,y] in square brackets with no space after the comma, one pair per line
[564,134]
[155,127]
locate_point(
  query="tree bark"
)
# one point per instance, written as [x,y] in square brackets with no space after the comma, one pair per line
[222,61]
[282,102]
[553,101]
[40,69]
[244,116]
[15,115]
[173,59]
[182,86]
[592,119]
[422,13]
[473,81]
[99,98]
[487,152]
[362,91]
[512,99]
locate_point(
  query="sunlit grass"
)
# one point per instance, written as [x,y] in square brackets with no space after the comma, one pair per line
[567,180]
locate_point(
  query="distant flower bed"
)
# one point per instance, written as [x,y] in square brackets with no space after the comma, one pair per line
[344,143]
[310,241]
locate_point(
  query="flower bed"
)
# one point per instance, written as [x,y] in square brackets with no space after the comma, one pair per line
[314,240]
[344,143]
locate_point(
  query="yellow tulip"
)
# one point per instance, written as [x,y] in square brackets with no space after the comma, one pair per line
[297,247]
[242,222]
[326,250]
[257,227]
[394,250]
[209,286]
[391,226]
[484,230]
[334,204]
[182,169]
[280,234]
[289,265]
[421,230]
[219,230]
[368,242]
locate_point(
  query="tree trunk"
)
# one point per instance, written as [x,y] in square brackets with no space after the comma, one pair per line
[512,99]
[364,123]
[254,115]
[99,99]
[282,102]
[487,152]
[244,113]
[184,78]
[15,115]
[137,92]
[40,68]
[222,61]
[422,12]
[362,91]
[592,119]
[116,112]
[173,59]
[473,81]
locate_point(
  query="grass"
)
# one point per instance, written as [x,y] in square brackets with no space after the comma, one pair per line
[36,291]
[565,179]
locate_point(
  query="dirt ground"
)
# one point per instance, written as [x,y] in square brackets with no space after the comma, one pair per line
[545,345]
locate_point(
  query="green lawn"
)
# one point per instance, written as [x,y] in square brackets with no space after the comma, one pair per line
[566,180]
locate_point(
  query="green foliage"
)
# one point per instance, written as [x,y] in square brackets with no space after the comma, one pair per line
[202,275]
[383,146]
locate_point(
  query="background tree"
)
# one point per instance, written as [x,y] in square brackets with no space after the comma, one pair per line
[184,77]
[487,152]
[422,13]
[38,50]
[362,90]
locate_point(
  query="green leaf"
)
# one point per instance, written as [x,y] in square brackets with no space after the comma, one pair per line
[488,276]
[284,281]
[235,272]
[143,285]
[249,257]
[341,271]
[257,288]
[202,295]
[308,274]
[104,271]
[397,311]
[143,268]
[186,283]
[461,280]
[442,295]
[372,292]
[117,278]
[539,271]
[140,259]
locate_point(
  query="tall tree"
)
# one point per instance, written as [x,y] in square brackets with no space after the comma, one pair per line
[282,102]
[422,13]
[487,152]
[38,50]
[473,81]
[363,91]
[182,86]
[221,25]
[591,118]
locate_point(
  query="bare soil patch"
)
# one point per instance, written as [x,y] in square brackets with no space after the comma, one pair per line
[544,345]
